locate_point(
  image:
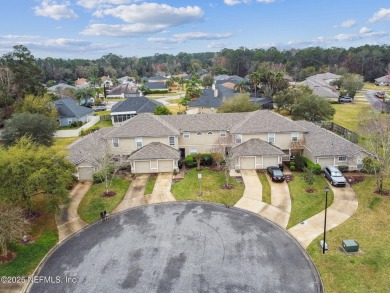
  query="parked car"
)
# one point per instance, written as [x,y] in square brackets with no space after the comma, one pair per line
[275,173]
[345,99]
[100,108]
[380,95]
[334,175]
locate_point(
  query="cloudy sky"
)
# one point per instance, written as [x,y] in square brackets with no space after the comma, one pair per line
[92,28]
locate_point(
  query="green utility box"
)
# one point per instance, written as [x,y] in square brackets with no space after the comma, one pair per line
[350,246]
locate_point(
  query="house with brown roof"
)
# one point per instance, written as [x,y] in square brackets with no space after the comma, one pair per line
[255,140]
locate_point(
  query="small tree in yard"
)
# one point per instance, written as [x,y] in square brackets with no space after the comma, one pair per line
[198,158]
[222,153]
[377,142]
[308,176]
[12,226]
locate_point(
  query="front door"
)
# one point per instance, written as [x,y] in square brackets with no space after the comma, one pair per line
[182,152]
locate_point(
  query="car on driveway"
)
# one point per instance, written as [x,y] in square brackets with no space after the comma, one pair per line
[345,99]
[334,175]
[380,95]
[275,173]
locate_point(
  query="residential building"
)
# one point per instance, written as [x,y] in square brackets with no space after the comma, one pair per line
[124,91]
[321,85]
[69,111]
[384,80]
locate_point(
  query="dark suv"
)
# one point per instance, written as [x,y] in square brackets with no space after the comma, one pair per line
[275,173]
[334,175]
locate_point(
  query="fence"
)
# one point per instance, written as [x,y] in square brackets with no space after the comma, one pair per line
[342,131]
[76,132]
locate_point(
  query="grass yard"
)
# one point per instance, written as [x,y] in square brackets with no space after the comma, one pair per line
[212,190]
[174,101]
[373,87]
[93,203]
[104,123]
[368,271]
[102,113]
[62,142]
[150,184]
[305,205]
[175,108]
[350,115]
[45,235]
[266,188]
[159,96]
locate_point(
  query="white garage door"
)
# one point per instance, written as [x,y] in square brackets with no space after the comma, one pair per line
[85,173]
[270,161]
[247,163]
[165,165]
[141,167]
[325,162]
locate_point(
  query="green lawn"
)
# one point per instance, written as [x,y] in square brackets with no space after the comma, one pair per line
[150,184]
[93,203]
[104,123]
[62,142]
[212,191]
[305,205]
[350,115]
[45,235]
[372,86]
[102,113]
[370,225]
[266,188]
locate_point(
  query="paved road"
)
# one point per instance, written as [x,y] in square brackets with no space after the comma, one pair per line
[181,247]
[375,102]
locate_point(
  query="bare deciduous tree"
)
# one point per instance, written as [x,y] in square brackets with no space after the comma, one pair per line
[222,152]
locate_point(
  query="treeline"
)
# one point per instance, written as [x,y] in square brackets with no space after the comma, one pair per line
[370,61]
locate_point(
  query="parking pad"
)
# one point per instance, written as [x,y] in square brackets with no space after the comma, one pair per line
[179,247]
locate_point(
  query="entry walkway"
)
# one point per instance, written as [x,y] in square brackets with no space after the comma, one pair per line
[345,203]
[68,221]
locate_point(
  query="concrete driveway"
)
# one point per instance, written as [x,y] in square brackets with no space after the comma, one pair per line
[180,247]
[162,189]
[344,205]
[252,198]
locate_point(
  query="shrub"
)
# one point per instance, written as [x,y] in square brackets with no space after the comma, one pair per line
[206,160]
[89,130]
[370,166]
[189,161]
[73,124]
[292,167]
[315,168]
[343,168]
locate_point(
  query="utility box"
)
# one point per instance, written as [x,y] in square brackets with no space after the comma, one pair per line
[350,246]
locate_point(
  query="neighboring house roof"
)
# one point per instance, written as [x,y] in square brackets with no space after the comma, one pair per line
[154,151]
[144,125]
[322,143]
[256,147]
[326,76]
[156,85]
[208,99]
[220,79]
[81,81]
[138,104]
[125,88]
[67,107]
[320,84]
[90,148]
[265,121]
[384,79]
[60,85]
[157,78]
[125,79]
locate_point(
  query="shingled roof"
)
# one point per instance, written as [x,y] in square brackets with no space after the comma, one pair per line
[256,147]
[144,125]
[154,151]
[125,88]
[138,104]
[68,107]
[322,143]
[208,100]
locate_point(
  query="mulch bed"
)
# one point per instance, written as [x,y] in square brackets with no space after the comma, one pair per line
[353,179]
[384,192]
[108,194]
[310,191]
[8,257]
[227,186]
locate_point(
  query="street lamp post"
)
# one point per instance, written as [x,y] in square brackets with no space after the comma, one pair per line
[326,207]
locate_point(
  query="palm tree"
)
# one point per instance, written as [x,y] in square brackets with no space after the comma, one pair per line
[241,86]
[255,78]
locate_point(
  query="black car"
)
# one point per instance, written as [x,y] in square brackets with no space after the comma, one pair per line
[275,173]
[345,99]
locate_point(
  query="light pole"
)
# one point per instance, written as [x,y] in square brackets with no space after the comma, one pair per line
[326,207]
[200,184]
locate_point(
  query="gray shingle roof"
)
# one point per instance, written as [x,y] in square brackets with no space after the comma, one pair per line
[208,100]
[139,104]
[89,148]
[144,125]
[320,89]
[155,85]
[155,150]
[385,79]
[68,107]
[126,88]
[321,142]
[256,147]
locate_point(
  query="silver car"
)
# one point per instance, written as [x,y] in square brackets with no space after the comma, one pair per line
[334,175]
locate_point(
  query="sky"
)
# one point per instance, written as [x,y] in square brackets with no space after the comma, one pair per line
[89,29]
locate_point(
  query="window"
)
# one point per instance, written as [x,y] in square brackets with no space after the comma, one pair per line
[238,138]
[271,137]
[209,133]
[123,117]
[199,133]
[342,159]
[138,142]
[222,134]
[294,136]
[186,134]
[115,142]
[171,140]
[193,151]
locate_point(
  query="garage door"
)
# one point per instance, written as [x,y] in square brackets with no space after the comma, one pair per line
[247,163]
[142,167]
[85,173]
[270,161]
[165,166]
[325,162]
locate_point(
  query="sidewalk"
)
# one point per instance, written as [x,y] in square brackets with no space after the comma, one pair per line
[68,221]
[344,205]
